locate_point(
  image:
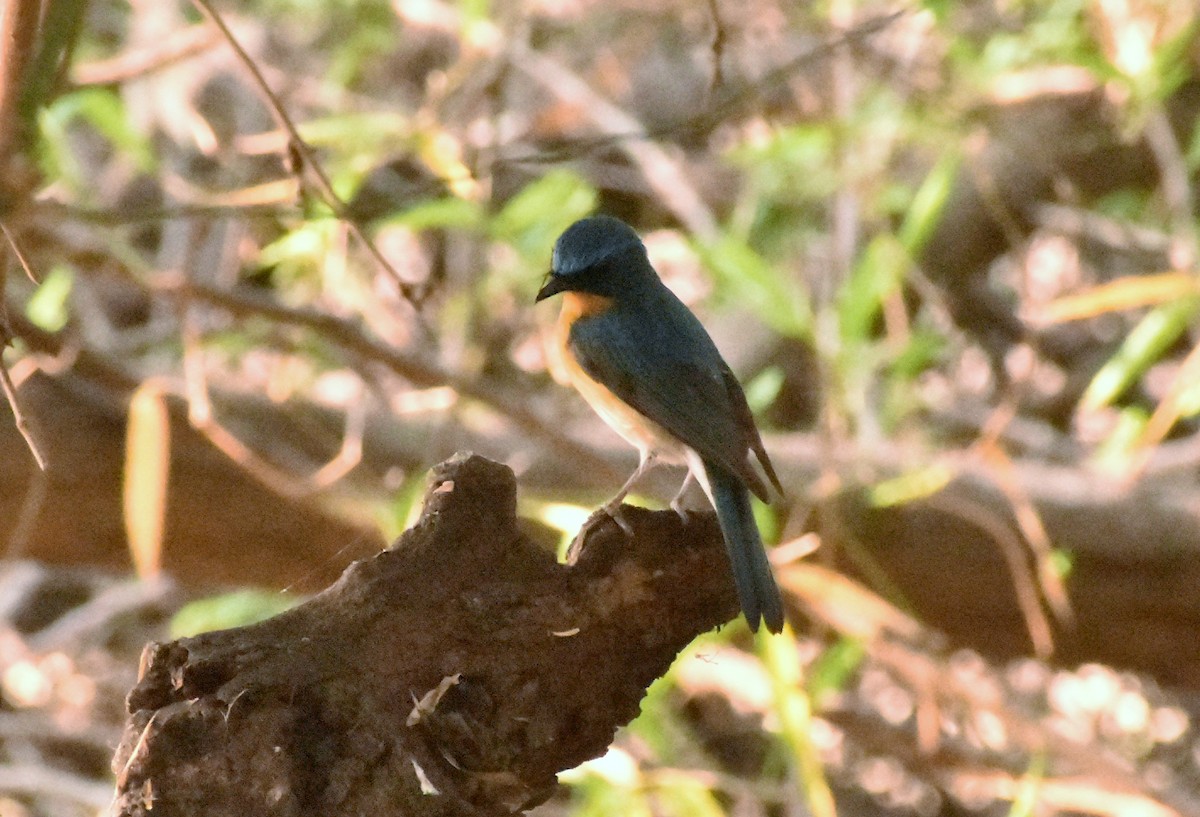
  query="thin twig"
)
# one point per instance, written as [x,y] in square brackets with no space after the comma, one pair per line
[138,215]
[420,372]
[1033,529]
[174,48]
[733,101]
[10,390]
[1166,414]
[1041,636]
[323,185]
[916,658]
[14,404]
[661,170]
[22,259]
[1080,224]
[845,213]
[716,49]
[203,419]
[351,451]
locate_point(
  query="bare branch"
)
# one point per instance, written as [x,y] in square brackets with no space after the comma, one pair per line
[177,46]
[10,393]
[532,665]
[661,170]
[731,103]
[22,259]
[323,185]
[420,372]
[18,32]
[6,383]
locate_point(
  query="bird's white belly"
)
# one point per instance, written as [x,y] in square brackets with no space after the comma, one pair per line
[639,431]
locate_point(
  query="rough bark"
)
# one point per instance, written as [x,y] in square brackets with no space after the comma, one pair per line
[313,711]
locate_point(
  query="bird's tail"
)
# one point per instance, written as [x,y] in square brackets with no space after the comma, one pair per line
[756,588]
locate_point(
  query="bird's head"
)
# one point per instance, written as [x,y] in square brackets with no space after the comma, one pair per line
[600,255]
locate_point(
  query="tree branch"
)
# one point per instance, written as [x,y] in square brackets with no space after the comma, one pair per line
[521,666]
[321,180]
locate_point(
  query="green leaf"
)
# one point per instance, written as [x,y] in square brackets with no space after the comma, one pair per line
[47,307]
[236,609]
[105,112]
[445,212]
[764,388]
[678,792]
[1188,401]
[610,784]
[402,508]
[303,250]
[1193,152]
[837,663]
[793,164]
[769,292]
[1171,63]
[793,708]
[910,486]
[940,9]
[534,218]
[875,277]
[1143,347]
[925,212]
[475,12]
[1062,562]
[1113,452]
[1026,802]
[767,519]
[919,354]
[59,31]
[656,724]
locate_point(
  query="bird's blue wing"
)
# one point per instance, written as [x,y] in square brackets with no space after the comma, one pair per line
[658,359]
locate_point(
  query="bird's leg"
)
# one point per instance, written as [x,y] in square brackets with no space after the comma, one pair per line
[613,506]
[677,502]
[611,509]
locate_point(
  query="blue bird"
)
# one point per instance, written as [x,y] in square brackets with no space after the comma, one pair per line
[650,370]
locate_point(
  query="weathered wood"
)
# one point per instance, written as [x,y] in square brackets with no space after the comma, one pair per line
[312,712]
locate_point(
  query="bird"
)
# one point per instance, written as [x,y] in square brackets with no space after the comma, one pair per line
[647,366]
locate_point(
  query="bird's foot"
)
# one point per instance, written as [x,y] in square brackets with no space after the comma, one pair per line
[677,502]
[613,509]
[685,516]
[598,518]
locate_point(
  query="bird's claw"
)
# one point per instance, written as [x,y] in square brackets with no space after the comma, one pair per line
[617,515]
[685,516]
[609,511]
[677,502]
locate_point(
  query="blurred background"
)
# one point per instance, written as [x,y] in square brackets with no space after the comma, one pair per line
[268,261]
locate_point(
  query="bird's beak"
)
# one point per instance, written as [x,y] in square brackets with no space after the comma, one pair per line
[554,284]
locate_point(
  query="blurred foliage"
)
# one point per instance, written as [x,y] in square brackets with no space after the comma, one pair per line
[1143,347]
[842,173]
[104,113]
[238,608]
[47,306]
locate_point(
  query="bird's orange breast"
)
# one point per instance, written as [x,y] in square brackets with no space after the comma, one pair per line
[627,421]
